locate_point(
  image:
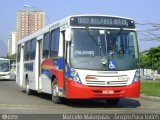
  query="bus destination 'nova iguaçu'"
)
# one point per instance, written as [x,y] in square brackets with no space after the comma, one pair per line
[82,57]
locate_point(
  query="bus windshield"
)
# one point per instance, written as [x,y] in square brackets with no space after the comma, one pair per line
[4,66]
[94,49]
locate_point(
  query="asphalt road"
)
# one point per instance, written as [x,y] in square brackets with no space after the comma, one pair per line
[13,100]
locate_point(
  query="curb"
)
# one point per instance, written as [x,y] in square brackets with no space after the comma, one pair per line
[150,97]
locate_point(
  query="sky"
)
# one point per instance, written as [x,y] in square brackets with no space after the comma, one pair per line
[142,11]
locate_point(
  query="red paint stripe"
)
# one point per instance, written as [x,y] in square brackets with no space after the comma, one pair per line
[60,78]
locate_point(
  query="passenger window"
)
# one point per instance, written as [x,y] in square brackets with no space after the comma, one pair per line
[27,51]
[54,43]
[46,45]
[18,53]
[33,49]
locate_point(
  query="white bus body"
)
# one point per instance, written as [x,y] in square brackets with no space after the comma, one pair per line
[83,56]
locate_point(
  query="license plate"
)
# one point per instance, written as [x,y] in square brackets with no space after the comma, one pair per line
[108,92]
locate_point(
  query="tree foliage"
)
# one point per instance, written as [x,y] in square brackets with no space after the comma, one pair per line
[12,57]
[150,58]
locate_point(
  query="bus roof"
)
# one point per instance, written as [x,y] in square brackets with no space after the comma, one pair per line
[101,16]
[4,59]
[63,22]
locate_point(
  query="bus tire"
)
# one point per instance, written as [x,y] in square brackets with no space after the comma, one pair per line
[28,90]
[55,96]
[112,101]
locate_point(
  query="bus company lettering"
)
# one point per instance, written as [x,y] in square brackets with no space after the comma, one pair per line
[84,52]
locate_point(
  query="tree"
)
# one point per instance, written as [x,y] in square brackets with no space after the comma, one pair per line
[13,57]
[150,58]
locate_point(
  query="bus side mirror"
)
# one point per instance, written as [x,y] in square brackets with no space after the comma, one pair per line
[68,34]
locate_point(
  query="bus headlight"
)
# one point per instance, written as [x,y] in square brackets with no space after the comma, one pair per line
[73,73]
[75,77]
[136,76]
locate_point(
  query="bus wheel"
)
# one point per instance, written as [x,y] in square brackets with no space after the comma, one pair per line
[112,101]
[55,93]
[28,90]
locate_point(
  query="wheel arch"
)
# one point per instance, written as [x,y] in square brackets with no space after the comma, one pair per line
[53,78]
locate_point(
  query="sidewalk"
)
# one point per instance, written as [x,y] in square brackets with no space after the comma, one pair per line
[150,97]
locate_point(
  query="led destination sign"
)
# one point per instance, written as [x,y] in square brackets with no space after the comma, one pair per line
[102,22]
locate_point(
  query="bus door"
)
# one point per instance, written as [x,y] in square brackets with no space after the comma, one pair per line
[65,60]
[65,54]
[21,67]
[38,62]
[62,51]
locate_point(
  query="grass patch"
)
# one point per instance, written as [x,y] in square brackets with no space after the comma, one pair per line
[150,88]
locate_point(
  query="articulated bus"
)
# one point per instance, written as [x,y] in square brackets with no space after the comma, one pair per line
[4,69]
[82,57]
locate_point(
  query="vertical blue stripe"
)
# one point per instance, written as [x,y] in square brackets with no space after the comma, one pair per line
[60,63]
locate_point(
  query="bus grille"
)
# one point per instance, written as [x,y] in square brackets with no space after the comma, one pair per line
[103,82]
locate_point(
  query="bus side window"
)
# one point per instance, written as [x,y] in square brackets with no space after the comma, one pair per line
[33,49]
[18,53]
[46,45]
[27,51]
[54,43]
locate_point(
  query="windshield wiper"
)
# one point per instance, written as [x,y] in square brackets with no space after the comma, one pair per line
[93,37]
[95,40]
[98,44]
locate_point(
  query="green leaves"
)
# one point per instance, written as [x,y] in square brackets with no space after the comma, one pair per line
[150,58]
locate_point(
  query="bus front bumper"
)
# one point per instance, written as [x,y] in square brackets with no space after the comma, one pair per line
[4,77]
[80,91]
